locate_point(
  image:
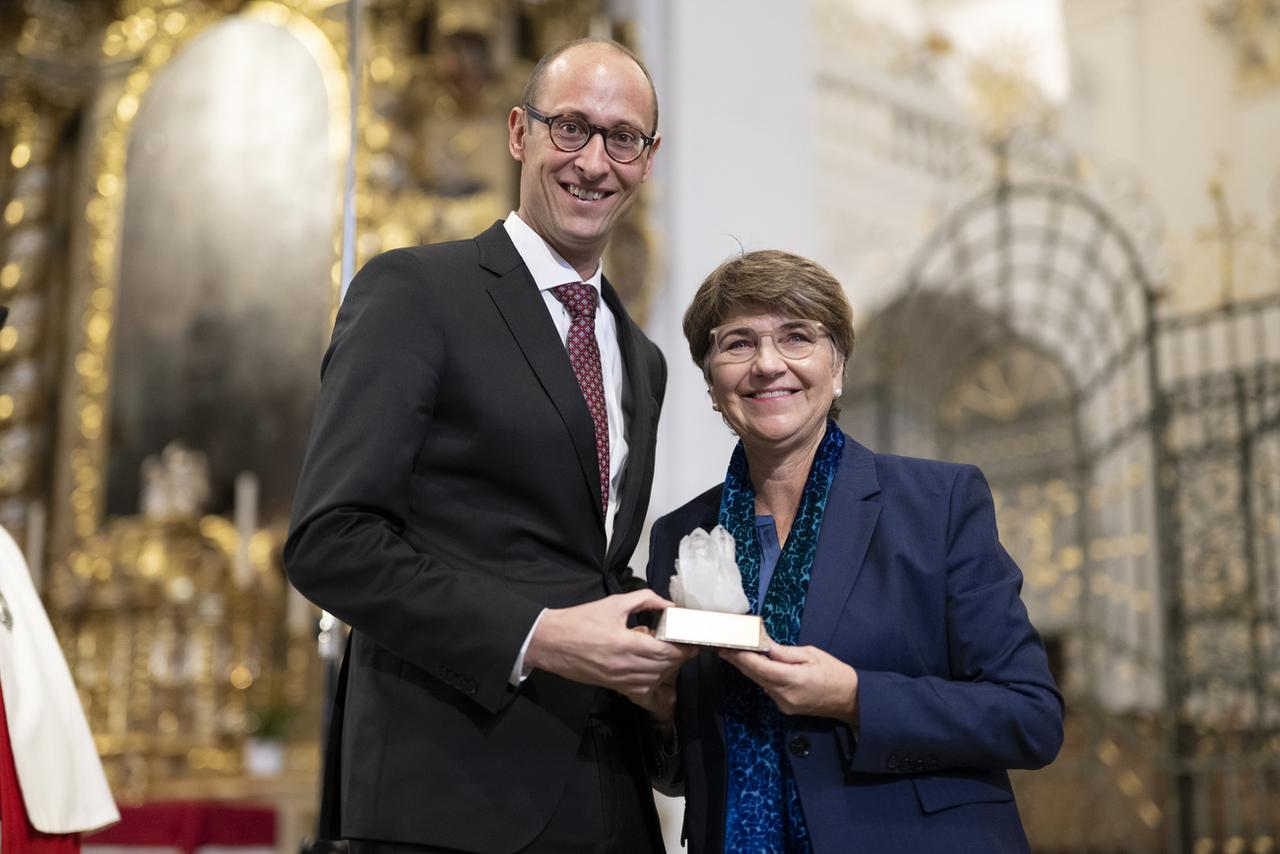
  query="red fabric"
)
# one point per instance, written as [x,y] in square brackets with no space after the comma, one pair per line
[189,825]
[584,357]
[17,836]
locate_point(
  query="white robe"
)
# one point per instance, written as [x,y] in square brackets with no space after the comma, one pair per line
[63,785]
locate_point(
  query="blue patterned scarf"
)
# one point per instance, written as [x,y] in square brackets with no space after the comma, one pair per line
[763,814]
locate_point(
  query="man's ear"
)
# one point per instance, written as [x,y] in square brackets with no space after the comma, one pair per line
[515,133]
[648,160]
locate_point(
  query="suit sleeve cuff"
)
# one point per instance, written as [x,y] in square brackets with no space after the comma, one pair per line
[519,672]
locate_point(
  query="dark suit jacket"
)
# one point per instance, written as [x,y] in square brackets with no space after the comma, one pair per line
[911,587]
[450,492]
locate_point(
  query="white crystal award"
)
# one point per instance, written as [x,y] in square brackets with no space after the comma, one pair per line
[707,589]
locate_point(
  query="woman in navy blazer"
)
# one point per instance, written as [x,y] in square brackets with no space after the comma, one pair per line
[904,677]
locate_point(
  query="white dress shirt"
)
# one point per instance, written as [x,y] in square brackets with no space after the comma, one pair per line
[549,271]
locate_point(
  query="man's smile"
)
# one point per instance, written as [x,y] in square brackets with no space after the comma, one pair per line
[584,194]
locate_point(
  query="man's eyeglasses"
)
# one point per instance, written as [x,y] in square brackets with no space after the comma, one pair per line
[795,339]
[571,132]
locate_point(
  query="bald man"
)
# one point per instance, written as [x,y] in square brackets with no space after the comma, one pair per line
[476,480]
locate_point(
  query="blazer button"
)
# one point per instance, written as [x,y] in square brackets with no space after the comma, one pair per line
[800,746]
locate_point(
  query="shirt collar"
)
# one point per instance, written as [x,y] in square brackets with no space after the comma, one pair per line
[549,270]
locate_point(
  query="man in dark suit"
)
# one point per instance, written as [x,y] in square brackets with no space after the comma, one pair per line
[476,480]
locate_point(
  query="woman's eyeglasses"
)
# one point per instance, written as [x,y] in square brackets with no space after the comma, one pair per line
[795,339]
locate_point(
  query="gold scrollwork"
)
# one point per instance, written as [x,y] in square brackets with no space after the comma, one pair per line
[28,135]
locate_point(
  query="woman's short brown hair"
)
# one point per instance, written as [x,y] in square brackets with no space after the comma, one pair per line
[770,280]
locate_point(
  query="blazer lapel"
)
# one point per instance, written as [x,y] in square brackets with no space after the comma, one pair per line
[517,298]
[640,412]
[847,525]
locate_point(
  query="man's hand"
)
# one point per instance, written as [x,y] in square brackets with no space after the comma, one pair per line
[660,700]
[591,644]
[802,680]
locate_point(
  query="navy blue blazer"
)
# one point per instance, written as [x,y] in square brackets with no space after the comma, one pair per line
[911,587]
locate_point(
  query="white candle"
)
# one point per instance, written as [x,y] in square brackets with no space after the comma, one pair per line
[246,519]
[35,542]
[298,614]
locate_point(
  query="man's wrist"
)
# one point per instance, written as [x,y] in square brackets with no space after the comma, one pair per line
[543,640]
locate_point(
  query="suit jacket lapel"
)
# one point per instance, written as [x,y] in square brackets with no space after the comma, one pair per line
[847,525]
[640,411]
[517,298]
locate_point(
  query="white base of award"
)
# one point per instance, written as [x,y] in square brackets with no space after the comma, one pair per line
[712,628]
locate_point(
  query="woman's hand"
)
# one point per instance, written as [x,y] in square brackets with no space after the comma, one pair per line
[802,680]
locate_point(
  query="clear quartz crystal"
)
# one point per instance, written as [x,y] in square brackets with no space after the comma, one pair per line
[707,576]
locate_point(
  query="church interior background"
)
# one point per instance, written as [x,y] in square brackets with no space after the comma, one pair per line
[1058,222]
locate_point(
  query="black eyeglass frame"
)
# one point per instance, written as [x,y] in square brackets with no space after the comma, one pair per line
[592,130]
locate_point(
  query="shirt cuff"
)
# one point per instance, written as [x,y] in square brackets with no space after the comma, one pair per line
[519,672]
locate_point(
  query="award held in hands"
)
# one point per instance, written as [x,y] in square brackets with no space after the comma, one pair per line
[707,588]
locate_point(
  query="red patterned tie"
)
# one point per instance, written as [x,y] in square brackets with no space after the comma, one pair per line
[584,356]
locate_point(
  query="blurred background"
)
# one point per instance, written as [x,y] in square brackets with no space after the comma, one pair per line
[1058,222]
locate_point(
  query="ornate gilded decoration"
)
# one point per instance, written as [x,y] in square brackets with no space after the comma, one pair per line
[1253,27]
[42,80]
[29,178]
[175,657]
[1228,260]
[436,129]
[1004,95]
